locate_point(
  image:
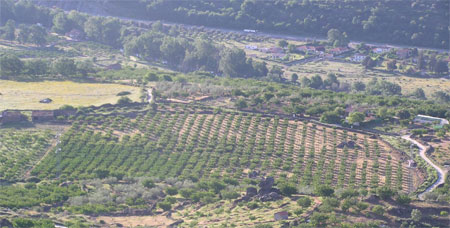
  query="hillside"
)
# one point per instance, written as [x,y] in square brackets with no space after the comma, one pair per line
[423,23]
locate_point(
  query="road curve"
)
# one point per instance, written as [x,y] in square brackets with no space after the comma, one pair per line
[440,172]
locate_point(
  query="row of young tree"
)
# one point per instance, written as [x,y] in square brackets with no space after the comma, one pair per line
[11,66]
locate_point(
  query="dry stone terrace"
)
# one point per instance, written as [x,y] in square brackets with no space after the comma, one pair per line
[204,144]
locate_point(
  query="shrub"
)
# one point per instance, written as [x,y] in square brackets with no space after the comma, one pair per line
[123,101]
[444,213]
[166,206]
[171,191]
[379,210]
[252,205]
[230,194]
[304,202]
[384,192]
[186,192]
[416,215]
[323,190]
[403,199]
[148,183]
[123,93]
[298,211]
[288,188]
[360,206]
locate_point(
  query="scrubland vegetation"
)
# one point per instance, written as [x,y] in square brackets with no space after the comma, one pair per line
[159,124]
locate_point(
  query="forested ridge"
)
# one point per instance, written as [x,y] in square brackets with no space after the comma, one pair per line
[419,22]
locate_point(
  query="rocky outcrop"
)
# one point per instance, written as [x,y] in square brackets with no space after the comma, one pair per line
[266,192]
[350,144]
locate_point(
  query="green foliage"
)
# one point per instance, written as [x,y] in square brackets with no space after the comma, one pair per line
[331,117]
[229,194]
[319,219]
[19,197]
[385,192]
[355,117]
[171,191]
[360,206]
[65,67]
[416,215]
[252,205]
[336,38]
[419,132]
[148,183]
[403,199]
[166,206]
[24,223]
[323,190]
[304,202]
[287,188]
[241,104]
[124,101]
[10,65]
[378,209]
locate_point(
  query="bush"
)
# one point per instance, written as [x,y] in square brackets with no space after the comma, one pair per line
[288,188]
[123,93]
[123,101]
[186,192]
[166,206]
[252,205]
[444,213]
[384,192]
[171,191]
[403,199]
[416,215]
[304,202]
[148,183]
[379,210]
[298,211]
[323,190]
[230,194]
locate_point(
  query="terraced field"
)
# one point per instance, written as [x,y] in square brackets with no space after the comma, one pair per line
[202,144]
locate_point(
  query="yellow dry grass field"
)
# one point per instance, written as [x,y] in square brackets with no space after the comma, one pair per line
[26,95]
[135,221]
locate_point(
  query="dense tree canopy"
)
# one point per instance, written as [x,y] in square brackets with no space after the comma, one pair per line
[420,22]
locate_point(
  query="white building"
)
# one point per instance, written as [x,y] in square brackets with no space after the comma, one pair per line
[358,58]
[251,47]
[422,119]
[381,50]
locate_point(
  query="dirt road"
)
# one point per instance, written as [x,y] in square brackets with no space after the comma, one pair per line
[440,172]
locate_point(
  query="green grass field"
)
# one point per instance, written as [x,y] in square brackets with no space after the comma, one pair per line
[26,95]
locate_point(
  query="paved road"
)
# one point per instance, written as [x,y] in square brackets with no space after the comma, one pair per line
[441,173]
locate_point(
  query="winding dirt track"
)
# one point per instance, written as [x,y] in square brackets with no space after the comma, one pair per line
[441,173]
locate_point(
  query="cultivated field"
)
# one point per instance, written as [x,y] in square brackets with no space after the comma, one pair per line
[191,144]
[21,148]
[26,95]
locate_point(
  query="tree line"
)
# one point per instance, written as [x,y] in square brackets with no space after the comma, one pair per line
[158,43]
[419,22]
